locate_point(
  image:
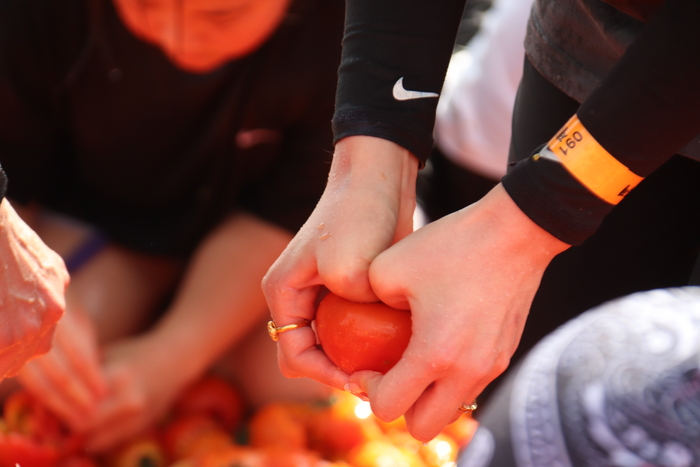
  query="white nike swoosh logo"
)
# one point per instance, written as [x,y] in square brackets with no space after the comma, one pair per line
[402,94]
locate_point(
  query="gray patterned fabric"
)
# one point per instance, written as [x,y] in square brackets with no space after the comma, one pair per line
[618,386]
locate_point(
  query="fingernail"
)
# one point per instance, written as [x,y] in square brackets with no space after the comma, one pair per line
[357,391]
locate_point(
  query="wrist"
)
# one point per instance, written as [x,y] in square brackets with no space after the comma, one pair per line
[373,157]
[517,232]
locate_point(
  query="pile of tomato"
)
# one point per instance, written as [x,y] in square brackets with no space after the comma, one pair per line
[209,426]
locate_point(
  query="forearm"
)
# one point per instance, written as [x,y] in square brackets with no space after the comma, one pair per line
[220,299]
[643,112]
[385,41]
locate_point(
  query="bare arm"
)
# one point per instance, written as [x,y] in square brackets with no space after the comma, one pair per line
[218,303]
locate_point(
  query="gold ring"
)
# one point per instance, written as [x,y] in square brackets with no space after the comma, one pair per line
[464,408]
[273,330]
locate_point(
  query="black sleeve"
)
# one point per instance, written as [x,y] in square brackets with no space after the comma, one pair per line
[643,112]
[384,41]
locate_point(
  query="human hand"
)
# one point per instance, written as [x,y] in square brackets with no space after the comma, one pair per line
[32,288]
[368,204]
[68,379]
[141,385]
[469,280]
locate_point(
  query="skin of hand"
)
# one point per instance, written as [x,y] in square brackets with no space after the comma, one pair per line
[469,280]
[367,205]
[68,379]
[218,303]
[32,288]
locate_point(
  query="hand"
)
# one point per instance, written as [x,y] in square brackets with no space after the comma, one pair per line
[469,280]
[68,379]
[32,288]
[141,386]
[368,204]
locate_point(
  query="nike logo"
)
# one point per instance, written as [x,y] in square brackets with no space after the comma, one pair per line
[402,94]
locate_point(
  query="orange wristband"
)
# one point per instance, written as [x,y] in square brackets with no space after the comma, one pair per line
[594,167]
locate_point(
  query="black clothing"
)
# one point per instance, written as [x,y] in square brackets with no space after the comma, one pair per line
[650,240]
[657,124]
[101,125]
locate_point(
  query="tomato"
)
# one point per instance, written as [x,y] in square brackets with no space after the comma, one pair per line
[77,461]
[462,430]
[382,453]
[190,434]
[232,456]
[440,451]
[139,452]
[16,448]
[362,336]
[34,432]
[214,397]
[278,425]
[337,429]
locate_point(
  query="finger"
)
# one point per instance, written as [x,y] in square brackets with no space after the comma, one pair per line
[439,405]
[299,353]
[388,400]
[34,380]
[302,356]
[67,382]
[116,430]
[82,356]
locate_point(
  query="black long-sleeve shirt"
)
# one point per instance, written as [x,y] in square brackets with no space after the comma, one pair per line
[646,108]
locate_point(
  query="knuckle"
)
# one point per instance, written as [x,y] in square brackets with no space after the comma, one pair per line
[347,282]
[442,360]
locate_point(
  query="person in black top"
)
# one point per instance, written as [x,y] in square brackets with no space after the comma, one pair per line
[192,138]
[469,278]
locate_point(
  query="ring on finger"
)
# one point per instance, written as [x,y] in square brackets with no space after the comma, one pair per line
[274,331]
[464,408]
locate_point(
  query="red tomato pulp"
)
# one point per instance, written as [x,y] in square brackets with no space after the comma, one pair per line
[362,336]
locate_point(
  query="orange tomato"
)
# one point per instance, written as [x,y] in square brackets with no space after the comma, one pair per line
[383,453]
[362,336]
[461,430]
[284,458]
[278,425]
[238,456]
[214,397]
[337,429]
[440,451]
[189,435]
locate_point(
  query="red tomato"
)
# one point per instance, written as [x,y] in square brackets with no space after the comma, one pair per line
[214,397]
[277,425]
[77,461]
[189,434]
[34,428]
[362,336]
[139,452]
[19,449]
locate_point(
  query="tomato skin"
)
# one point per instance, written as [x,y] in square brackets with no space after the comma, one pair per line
[214,397]
[16,449]
[362,336]
[187,435]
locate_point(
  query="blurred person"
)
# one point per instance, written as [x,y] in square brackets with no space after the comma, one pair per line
[612,76]
[167,149]
[618,385]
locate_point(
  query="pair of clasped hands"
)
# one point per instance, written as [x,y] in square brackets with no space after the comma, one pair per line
[468,280]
